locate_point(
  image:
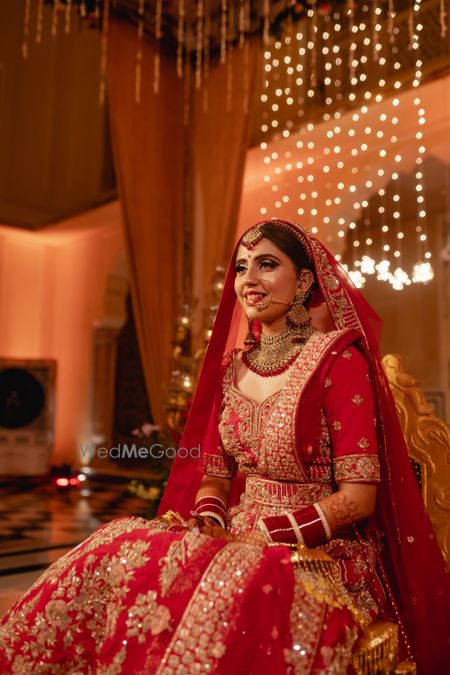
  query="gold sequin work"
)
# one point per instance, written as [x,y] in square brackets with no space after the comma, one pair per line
[198,645]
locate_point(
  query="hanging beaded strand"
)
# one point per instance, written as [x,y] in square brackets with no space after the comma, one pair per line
[230,37]
[26,29]
[390,23]
[39,21]
[313,46]
[104,53]
[206,44]
[187,93]
[352,48]
[223,32]
[266,22]
[246,93]
[67,17]
[157,60]
[199,45]
[443,18]
[241,23]
[375,35]
[139,52]
[54,28]
[180,38]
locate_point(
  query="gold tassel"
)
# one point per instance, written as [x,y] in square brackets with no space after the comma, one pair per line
[377,650]
[320,576]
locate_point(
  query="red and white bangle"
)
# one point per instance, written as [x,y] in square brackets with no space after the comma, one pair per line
[213,507]
[308,527]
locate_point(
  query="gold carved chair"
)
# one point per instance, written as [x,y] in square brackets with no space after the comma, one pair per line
[428,441]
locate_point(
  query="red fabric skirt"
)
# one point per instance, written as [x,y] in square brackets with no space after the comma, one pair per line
[137,599]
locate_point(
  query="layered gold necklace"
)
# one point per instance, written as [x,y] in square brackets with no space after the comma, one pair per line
[273,354]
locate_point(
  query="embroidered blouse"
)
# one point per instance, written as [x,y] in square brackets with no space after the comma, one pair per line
[266,439]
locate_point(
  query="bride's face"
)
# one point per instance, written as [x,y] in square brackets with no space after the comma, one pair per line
[266,281]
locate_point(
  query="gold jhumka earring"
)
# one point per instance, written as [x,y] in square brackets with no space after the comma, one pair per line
[250,340]
[298,319]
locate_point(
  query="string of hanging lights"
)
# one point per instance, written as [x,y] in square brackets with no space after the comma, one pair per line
[371,58]
[327,69]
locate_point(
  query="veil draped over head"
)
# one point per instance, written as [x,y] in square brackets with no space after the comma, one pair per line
[412,560]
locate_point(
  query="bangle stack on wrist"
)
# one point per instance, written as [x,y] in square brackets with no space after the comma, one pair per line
[213,507]
[308,527]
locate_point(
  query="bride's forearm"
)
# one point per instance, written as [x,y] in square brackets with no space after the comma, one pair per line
[212,497]
[352,503]
[318,523]
[211,485]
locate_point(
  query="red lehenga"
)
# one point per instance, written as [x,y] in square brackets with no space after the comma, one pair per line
[137,598]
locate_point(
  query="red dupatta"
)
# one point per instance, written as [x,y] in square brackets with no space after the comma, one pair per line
[412,559]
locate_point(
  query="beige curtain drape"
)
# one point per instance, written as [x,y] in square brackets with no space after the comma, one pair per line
[148,153]
[157,160]
[220,136]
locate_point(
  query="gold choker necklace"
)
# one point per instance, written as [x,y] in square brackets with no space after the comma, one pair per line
[275,353]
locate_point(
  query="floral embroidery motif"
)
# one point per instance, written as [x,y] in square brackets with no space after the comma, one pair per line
[357,468]
[363,443]
[336,659]
[346,354]
[357,399]
[146,615]
[336,425]
[173,562]
[328,382]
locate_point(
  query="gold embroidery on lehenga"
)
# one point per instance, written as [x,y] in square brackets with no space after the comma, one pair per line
[199,643]
[89,595]
[337,658]
[147,615]
[218,466]
[306,620]
[176,558]
[357,468]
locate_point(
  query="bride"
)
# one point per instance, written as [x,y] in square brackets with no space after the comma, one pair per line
[299,525]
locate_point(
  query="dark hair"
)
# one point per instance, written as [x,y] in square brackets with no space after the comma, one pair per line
[289,244]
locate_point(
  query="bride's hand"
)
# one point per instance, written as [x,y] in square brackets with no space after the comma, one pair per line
[213,530]
[255,537]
